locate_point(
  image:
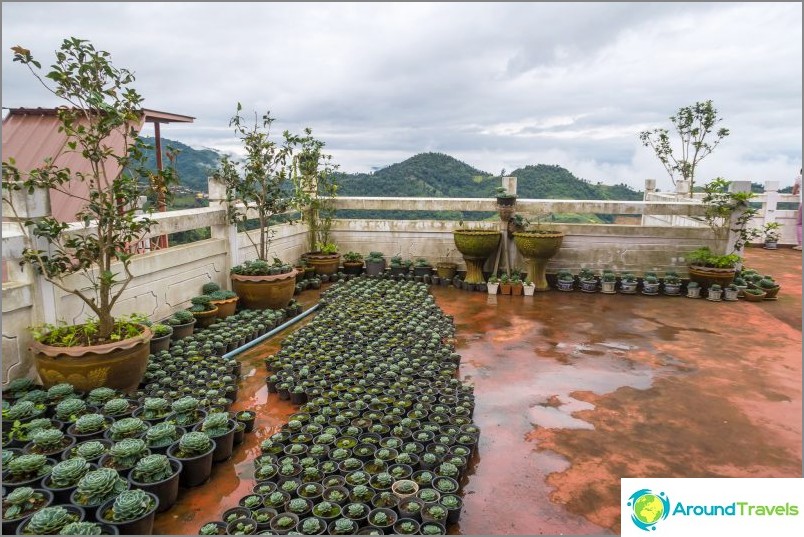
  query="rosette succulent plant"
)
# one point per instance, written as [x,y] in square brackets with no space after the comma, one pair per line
[18,386]
[22,502]
[90,423]
[116,407]
[161,435]
[60,391]
[152,469]
[126,453]
[91,449]
[209,528]
[27,467]
[25,431]
[38,397]
[185,410]
[127,428]
[22,410]
[82,528]
[98,486]
[216,424]
[67,473]
[130,505]
[49,521]
[99,396]
[155,408]
[193,444]
[311,526]
[69,410]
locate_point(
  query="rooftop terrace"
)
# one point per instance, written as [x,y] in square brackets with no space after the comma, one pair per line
[575,391]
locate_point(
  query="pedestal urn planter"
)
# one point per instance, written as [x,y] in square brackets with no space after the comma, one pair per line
[476,245]
[538,247]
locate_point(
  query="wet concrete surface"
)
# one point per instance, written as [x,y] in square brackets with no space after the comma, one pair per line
[576,390]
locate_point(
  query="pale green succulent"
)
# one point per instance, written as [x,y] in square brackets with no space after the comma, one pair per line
[67,473]
[21,410]
[22,502]
[115,406]
[90,423]
[155,407]
[82,528]
[70,409]
[100,396]
[28,466]
[311,526]
[216,424]
[194,443]
[152,469]
[49,521]
[98,486]
[131,505]
[60,391]
[47,440]
[161,435]
[127,452]
[91,449]
[127,428]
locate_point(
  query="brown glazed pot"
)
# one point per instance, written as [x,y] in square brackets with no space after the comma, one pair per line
[225,307]
[323,263]
[261,292]
[119,365]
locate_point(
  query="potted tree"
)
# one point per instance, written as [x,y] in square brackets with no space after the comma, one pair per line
[772,231]
[94,265]
[260,185]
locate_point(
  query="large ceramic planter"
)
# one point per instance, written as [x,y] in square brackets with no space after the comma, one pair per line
[265,292]
[323,263]
[446,269]
[225,307]
[538,247]
[118,365]
[706,276]
[476,245]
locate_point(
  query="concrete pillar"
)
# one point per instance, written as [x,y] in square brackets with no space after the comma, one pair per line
[225,231]
[770,202]
[735,187]
[509,183]
[650,190]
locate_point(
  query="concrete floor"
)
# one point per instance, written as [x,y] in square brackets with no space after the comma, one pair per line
[576,390]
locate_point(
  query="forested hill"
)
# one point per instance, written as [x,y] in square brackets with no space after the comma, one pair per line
[424,175]
[439,175]
[192,165]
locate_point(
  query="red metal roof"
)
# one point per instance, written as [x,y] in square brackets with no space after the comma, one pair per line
[30,135]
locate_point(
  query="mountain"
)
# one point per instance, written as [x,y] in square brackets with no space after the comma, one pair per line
[423,175]
[192,165]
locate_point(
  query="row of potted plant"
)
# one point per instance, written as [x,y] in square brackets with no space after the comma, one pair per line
[383,423]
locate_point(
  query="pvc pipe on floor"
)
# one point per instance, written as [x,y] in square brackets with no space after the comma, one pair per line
[270,333]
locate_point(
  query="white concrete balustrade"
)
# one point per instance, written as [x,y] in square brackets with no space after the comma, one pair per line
[165,280]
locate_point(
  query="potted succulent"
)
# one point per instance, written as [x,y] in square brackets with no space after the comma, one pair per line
[51,520]
[608,282]
[529,287]
[247,417]
[220,428]
[650,285]
[628,283]
[64,477]
[693,290]
[771,288]
[126,428]
[421,267]
[353,263]
[186,412]
[89,450]
[382,517]
[564,280]
[96,487]
[204,311]
[587,280]
[772,232]
[119,408]
[183,324]
[672,283]
[21,503]
[161,435]
[714,293]
[132,512]
[123,455]
[161,338]
[225,301]
[217,527]
[375,264]
[493,284]
[159,475]
[89,426]
[22,412]
[27,470]
[399,266]
[49,442]
[730,293]
[404,488]
[194,450]
[505,284]
[406,526]
[153,410]
[105,350]
[754,294]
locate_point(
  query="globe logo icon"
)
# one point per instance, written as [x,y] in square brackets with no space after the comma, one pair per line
[648,508]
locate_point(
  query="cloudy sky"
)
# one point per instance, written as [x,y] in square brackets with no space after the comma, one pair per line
[497,85]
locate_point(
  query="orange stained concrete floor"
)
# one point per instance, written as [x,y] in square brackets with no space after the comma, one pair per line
[575,391]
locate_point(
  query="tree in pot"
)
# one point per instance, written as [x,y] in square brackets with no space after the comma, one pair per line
[132,512]
[261,185]
[95,264]
[160,475]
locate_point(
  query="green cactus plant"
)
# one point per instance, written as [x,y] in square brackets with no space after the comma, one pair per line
[161,435]
[98,486]
[126,453]
[193,444]
[130,505]
[49,521]
[22,502]
[67,473]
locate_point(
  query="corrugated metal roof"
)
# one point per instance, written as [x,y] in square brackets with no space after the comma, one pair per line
[30,135]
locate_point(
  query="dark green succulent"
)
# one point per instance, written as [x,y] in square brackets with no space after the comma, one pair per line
[127,428]
[82,528]
[152,469]
[194,443]
[28,466]
[216,424]
[161,435]
[67,473]
[18,386]
[60,391]
[91,449]
[116,406]
[127,452]
[35,396]
[90,423]
[131,505]
[26,430]
[22,410]
[100,396]
[22,501]
[98,486]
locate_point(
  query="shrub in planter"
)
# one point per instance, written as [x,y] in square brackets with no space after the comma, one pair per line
[22,502]
[51,520]
[159,475]
[132,511]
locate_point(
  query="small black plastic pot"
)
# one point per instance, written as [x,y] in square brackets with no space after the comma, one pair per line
[166,490]
[195,470]
[142,525]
